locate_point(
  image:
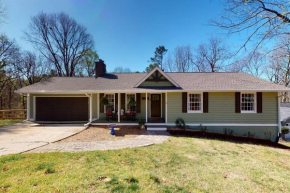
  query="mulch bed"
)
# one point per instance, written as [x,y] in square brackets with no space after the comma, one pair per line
[231,138]
[102,133]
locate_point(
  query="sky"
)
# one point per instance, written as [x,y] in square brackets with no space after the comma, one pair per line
[125,32]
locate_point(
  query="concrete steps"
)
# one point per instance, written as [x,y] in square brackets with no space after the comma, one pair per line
[156,128]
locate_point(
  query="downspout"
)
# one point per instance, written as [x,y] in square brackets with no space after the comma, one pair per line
[279,121]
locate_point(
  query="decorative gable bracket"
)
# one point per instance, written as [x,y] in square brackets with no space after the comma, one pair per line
[157,75]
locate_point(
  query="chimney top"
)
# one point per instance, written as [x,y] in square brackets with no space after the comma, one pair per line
[100,68]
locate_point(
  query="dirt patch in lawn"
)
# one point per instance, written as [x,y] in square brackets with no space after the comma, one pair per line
[103,134]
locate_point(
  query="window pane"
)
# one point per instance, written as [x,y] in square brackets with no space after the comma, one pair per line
[194,102]
[248,102]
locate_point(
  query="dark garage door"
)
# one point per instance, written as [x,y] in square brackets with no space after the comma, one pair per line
[62,109]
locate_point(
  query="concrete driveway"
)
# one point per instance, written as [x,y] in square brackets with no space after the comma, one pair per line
[22,137]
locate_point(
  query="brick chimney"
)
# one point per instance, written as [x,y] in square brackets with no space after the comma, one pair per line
[100,68]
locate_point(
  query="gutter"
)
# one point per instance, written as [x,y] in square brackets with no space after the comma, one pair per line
[142,91]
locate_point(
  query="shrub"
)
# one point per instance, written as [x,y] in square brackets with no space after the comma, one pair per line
[104,101]
[202,128]
[285,130]
[180,123]
[228,131]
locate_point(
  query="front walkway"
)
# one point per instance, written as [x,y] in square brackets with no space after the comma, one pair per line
[148,138]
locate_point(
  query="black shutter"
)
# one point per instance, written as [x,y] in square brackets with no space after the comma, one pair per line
[205,102]
[123,101]
[116,102]
[184,102]
[259,102]
[138,102]
[101,106]
[238,102]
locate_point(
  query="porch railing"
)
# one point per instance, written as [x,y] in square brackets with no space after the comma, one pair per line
[13,114]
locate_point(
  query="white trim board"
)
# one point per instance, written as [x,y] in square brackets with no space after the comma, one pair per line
[230,124]
[118,124]
[195,124]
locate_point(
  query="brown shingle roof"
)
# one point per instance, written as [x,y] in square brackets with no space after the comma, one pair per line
[186,81]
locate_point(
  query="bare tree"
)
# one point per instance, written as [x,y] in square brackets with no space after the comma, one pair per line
[31,68]
[3,13]
[211,57]
[169,65]
[183,58]
[261,19]
[180,60]
[8,52]
[61,40]
[253,63]
[121,69]
[278,70]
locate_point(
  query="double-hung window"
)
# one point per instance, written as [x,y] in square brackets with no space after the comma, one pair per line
[248,102]
[194,103]
[111,99]
[128,96]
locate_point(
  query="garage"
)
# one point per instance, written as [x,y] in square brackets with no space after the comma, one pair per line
[62,108]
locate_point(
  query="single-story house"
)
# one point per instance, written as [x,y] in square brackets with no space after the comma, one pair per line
[243,103]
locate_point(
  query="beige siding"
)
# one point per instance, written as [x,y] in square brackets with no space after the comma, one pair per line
[222,110]
[95,105]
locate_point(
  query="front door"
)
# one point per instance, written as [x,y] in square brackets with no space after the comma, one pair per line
[155,105]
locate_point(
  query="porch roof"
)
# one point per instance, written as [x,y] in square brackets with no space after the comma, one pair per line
[210,82]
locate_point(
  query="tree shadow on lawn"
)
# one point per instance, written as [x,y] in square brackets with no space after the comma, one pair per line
[229,138]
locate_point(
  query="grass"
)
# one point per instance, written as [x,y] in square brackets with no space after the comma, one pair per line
[181,164]
[7,122]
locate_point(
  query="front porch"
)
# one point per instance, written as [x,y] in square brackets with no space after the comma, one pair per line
[150,108]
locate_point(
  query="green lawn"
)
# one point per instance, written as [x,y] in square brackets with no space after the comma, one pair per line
[179,165]
[6,122]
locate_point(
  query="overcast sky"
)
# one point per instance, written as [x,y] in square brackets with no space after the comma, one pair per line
[126,32]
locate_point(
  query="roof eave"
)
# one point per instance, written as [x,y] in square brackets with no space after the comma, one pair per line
[140,90]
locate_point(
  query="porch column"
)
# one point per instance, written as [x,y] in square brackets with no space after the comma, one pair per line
[98,105]
[119,107]
[146,106]
[91,107]
[166,107]
[28,107]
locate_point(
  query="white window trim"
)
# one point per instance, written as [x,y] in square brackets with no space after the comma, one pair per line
[201,103]
[255,102]
[126,101]
[105,106]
